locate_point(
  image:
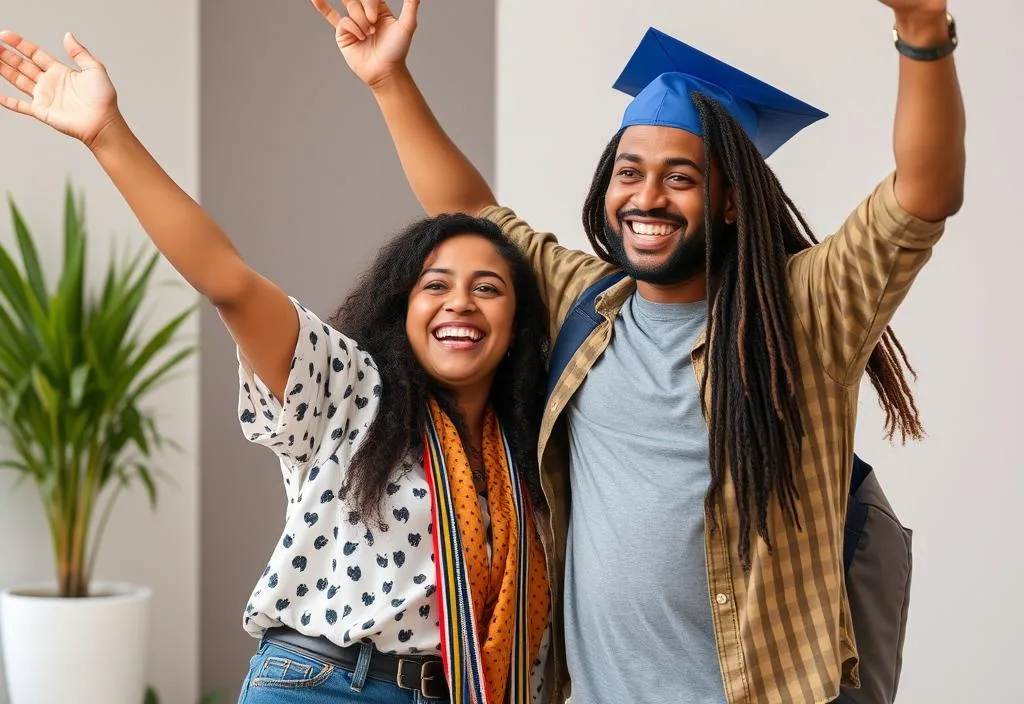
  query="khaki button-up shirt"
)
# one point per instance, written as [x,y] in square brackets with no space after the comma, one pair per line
[782,629]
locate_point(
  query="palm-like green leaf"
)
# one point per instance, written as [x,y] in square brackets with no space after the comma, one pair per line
[212,698]
[75,371]
[29,255]
[12,289]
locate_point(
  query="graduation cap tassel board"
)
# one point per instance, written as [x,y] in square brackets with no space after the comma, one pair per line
[663,71]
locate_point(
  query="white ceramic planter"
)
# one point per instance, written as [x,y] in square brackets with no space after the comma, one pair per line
[86,651]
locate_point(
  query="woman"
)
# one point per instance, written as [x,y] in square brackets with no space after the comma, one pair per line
[409,560]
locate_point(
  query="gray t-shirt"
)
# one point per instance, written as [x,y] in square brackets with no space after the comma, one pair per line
[637,609]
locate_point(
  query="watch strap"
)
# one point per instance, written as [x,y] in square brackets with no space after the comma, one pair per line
[928,53]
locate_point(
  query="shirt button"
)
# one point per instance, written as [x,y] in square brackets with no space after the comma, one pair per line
[722,599]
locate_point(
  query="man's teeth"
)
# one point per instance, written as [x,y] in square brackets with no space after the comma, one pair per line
[457,333]
[644,228]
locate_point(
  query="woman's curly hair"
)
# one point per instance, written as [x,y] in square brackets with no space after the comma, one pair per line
[374,315]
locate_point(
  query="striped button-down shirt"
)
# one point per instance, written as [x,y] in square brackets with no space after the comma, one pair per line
[783,628]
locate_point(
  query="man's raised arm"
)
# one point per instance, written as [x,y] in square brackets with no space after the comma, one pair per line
[928,135]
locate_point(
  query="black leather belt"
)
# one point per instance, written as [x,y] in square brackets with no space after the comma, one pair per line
[422,674]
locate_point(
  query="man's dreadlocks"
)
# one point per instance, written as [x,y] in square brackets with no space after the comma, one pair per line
[755,424]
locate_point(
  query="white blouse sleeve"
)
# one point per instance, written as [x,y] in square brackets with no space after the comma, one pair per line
[331,398]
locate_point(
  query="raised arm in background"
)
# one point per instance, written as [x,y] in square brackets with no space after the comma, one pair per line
[928,137]
[375,44]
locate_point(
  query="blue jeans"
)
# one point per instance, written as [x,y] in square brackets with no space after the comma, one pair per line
[279,675]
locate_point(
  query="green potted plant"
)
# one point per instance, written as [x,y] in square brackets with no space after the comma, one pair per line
[76,366]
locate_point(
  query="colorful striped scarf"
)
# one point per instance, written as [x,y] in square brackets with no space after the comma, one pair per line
[493,612]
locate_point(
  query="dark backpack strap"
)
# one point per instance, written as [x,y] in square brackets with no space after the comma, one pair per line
[578,324]
[856,512]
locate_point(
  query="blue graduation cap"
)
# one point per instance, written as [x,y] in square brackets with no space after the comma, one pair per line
[663,71]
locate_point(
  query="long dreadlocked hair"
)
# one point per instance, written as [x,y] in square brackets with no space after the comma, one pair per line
[755,425]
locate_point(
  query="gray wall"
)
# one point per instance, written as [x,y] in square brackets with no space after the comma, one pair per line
[297,166]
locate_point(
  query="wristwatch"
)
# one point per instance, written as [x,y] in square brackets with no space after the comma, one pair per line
[931,53]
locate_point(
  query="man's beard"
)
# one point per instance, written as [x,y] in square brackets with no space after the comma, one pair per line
[687,260]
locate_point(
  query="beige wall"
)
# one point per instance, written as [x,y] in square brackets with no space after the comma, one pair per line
[961,489]
[297,166]
[151,52]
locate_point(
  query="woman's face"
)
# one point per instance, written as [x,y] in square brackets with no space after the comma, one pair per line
[461,313]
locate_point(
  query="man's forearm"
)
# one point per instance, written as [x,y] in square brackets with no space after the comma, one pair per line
[440,175]
[928,137]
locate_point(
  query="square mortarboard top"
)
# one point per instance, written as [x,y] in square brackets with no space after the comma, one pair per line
[663,71]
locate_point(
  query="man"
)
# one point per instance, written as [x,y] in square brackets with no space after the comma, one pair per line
[697,449]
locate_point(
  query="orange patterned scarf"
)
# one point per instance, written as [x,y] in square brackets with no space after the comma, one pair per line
[490,657]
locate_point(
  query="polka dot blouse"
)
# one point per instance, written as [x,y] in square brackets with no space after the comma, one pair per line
[329,574]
